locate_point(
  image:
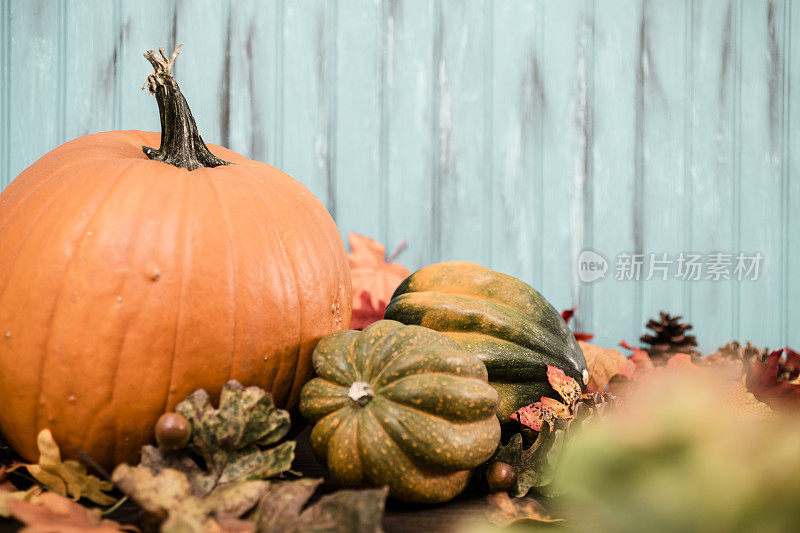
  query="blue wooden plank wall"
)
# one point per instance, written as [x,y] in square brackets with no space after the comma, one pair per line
[512,133]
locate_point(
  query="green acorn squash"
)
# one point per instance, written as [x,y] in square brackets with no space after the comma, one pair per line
[401,406]
[505,322]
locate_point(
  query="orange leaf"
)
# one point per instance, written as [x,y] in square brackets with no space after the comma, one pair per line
[54,513]
[374,279]
[603,365]
[545,410]
[565,386]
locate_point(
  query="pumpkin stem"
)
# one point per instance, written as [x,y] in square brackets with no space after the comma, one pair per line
[181,144]
[361,393]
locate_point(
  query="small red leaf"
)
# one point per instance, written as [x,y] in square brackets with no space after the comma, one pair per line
[768,383]
[567,316]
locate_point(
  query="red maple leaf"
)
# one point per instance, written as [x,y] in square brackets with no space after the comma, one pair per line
[374,277]
[776,382]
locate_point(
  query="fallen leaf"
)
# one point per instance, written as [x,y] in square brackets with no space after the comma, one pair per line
[53,513]
[535,466]
[372,274]
[604,364]
[564,385]
[506,511]
[281,509]
[9,492]
[776,381]
[68,478]
[238,445]
[580,336]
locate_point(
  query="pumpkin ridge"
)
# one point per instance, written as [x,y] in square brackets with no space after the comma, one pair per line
[388,391]
[123,333]
[504,319]
[12,265]
[182,233]
[223,210]
[59,298]
[284,255]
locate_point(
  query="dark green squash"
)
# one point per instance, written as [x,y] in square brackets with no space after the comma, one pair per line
[505,322]
[401,406]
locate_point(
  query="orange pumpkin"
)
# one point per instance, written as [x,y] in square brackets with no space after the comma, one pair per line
[126,282]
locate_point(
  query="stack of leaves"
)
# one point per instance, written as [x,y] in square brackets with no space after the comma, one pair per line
[670,336]
[219,482]
[236,445]
[374,278]
[535,465]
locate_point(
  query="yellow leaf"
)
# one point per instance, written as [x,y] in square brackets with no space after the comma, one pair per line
[68,478]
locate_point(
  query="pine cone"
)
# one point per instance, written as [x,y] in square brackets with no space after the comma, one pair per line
[669,338]
[748,355]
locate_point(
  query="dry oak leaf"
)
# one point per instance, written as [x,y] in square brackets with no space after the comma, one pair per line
[346,511]
[238,443]
[374,275]
[506,511]
[604,364]
[52,513]
[68,478]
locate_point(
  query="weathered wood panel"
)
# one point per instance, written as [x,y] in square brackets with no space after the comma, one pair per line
[516,134]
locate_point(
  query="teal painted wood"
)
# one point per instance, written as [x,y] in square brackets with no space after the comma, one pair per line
[761,172]
[515,134]
[614,207]
[709,197]
[515,161]
[791,222]
[35,115]
[143,25]
[90,76]
[307,92]
[253,88]
[412,51]
[564,205]
[661,175]
[359,184]
[461,216]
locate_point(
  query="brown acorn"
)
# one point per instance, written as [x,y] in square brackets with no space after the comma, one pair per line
[172,431]
[500,476]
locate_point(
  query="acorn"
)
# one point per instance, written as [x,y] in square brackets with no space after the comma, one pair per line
[500,476]
[172,431]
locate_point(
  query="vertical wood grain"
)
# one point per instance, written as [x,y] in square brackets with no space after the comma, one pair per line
[308,97]
[761,175]
[35,45]
[710,195]
[460,214]
[411,75]
[515,159]
[144,25]
[663,202]
[92,61]
[5,92]
[614,215]
[253,87]
[358,130]
[204,69]
[567,143]
[792,199]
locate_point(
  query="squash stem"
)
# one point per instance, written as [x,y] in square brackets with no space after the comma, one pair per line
[360,393]
[181,144]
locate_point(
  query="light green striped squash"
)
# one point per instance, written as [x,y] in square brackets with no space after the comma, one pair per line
[506,323]
[401,406]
